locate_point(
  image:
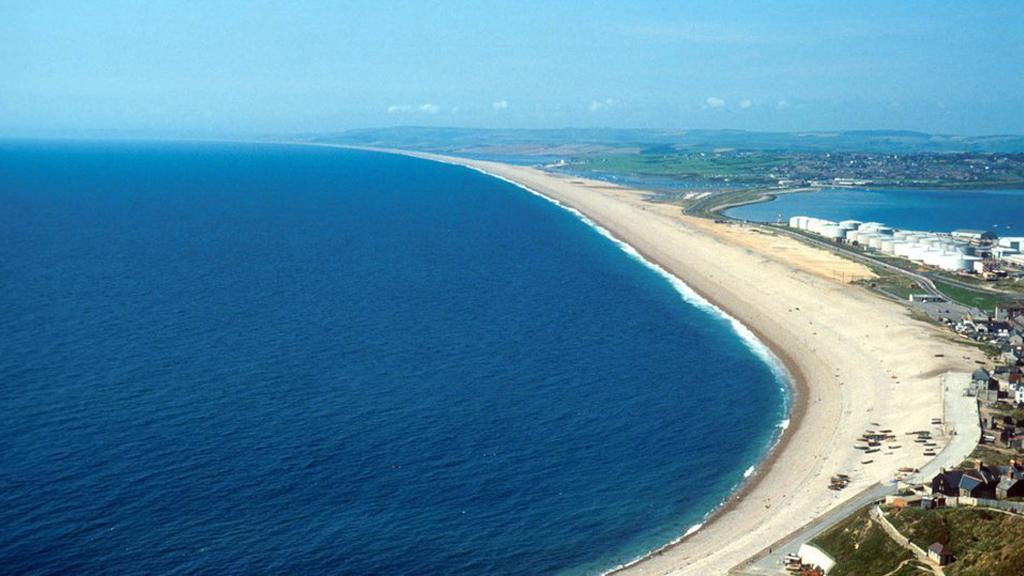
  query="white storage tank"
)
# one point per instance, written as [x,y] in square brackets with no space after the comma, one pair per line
[816,225]
[916,253]
[953,262]
[888,246]
[902,249]
[833,232]
[934,257]
[947,262]
[875,242]
[850,224]
[963,248]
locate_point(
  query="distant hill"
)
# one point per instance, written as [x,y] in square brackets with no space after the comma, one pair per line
[586,141]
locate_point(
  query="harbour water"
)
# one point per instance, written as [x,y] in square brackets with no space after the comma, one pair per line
[1000,211]
[270,359]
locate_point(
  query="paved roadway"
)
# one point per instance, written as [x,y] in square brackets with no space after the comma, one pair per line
[976,287]
[962,426]
[923,281]
[771,562]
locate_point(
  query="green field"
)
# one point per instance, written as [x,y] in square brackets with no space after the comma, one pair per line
[739,168]
[983,300]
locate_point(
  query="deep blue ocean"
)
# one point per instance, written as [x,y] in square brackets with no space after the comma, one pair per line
[237,359]
[1001,211]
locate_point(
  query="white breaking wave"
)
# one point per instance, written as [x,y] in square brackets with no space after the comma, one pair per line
[747,336]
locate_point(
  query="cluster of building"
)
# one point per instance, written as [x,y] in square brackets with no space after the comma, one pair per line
[860,169]
[1005,383]
[981,484]
[982,481]
[1004,430]
[965,251]
[1000,487]
[1003,329]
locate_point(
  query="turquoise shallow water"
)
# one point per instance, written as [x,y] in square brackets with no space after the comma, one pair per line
[257,359]
[1001,211]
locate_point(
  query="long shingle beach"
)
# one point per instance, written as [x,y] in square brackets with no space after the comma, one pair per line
[857,362]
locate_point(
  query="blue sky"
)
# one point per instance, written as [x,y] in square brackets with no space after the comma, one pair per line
[256,67]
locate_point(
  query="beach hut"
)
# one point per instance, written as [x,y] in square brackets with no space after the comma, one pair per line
[939,554]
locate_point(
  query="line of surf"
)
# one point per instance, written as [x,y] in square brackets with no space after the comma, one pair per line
[689,295]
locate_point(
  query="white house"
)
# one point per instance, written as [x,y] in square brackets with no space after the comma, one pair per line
[1012,242]
[1017,392]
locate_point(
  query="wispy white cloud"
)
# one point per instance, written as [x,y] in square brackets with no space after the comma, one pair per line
[714,102]
[745,103]
[783,104]
[500,105]
[596,105]
[427,108]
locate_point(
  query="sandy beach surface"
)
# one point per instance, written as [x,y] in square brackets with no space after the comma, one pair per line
[858,362]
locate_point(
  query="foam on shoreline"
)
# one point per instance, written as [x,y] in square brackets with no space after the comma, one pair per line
[759,348]
[746,335]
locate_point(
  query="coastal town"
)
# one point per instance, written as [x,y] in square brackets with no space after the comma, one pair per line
[815,169]
[993,478]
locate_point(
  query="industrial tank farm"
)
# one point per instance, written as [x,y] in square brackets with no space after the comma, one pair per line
[930,248]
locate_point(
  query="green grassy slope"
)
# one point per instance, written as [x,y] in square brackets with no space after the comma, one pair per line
[985,542]
[861,548]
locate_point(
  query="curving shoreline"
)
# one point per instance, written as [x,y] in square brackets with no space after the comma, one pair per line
[853,360]
[791,375]
[789,487]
